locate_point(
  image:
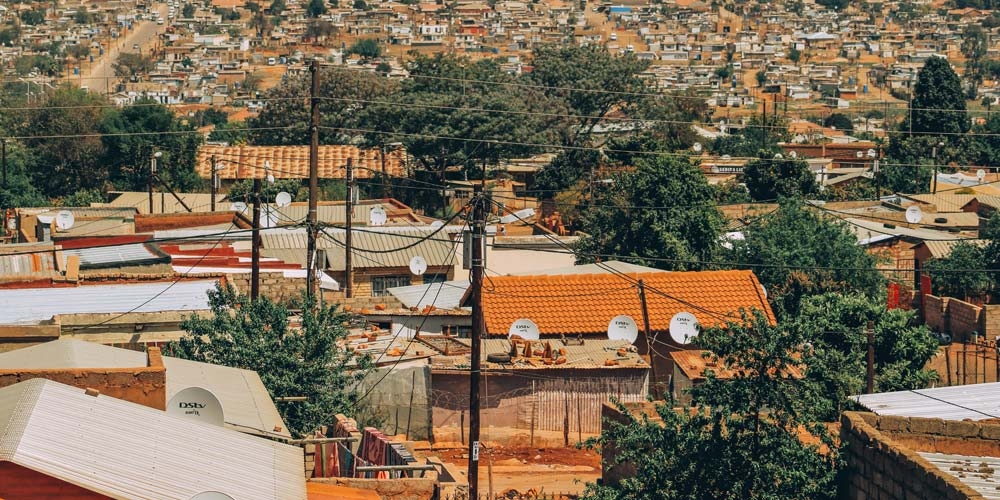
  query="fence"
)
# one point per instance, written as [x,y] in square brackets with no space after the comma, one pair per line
[970,363]
[570,406]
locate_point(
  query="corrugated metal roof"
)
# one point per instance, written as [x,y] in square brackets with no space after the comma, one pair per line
[337,213]
[125,450]
[97,227]
[974,402]
[372,249]
[166,203]
[136,254]
[978,473]
[38,265]
[444,295]
[28,305]
[939,249]
[82,212]
[246,404]
[944,202]
[866,230]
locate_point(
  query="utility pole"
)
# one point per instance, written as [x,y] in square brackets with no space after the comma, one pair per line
[255,244]
[312,227]
[349,217]
[215,180]
[4,143]
[870,379]
[478,327]
[152,176]
[763,125]
[644,347]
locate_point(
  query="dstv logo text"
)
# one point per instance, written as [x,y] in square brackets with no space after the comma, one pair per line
[185,405]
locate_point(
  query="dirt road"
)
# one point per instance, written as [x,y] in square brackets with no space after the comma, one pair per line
[100,77]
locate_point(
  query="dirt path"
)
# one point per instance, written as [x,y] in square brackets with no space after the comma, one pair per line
[548,470]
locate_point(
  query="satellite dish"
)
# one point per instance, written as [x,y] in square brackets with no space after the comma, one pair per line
[12,224]
[65,220]
[436,224]
[283,199]
[46,219]
[211,495]
[793,154]
[524,328]
[377,217]
[623,327]
[914,215]
[684,328]
[195,403]
[696,147]
[271,219]
[418,265]
[239,206]
[981,175]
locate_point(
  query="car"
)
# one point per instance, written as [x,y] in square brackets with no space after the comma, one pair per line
[159,20]
[135,46]
[614,37]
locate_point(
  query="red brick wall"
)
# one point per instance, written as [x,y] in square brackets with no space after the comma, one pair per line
[20,483]
[934,308]
[143,385]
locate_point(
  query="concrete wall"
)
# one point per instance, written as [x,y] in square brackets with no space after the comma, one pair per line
[274,286]
[963,319]
[21,483]
[960,318]
[18,336]
[143,385]
[882,461]
[934,310]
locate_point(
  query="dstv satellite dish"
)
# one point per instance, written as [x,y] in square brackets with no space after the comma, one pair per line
[684,328]
[696,147]
[524,328]
[436,224]
[418,265]
[271,219]
[623,327]
[914,215]
[196,404]
[377,217]
[981,175]
[65,220]
[211,495]
[239,206]
[46,219]
[283,199]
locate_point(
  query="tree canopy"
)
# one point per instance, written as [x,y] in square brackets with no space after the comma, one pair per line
[778,177]
[663,214]
[256,335]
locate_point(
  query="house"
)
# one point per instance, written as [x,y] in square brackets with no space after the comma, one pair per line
[147,378]
[292,162]
[57,436]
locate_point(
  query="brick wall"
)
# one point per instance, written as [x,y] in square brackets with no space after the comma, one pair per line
[274,286]
[963,318]
[142,385]
[882,459]
[991,322]
[934,309]
[21,483]
[18,336]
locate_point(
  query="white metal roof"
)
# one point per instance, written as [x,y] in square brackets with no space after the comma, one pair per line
[28,305]
[125,450]
[978,473]
[443,295]
[246,404]
[974,402]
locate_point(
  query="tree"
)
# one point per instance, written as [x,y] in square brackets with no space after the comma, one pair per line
[242,190]
[33,17]
[743,440]
[19,191]
[794,55]
[316,8]
[367,48]
[256,335]
[769,179]
[130,65]
[839,121]
[974,47]
[796,252]
[962,273]
[834,324]
[187,12]
[938,105]
[665,209]
[834,4]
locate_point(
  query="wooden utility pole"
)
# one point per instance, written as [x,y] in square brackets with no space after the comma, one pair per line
[255,243]
[870,379]
[312,227]
[4,143]
[478,327]
[349,217]
[215,181]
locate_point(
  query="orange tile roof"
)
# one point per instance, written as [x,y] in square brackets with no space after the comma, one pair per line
[585,303]
[694,362]
[292,162]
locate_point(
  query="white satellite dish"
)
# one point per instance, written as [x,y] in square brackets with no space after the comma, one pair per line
[46,219]
[283,199]
[524,328]
[436,224]
[914,215]
[623,327]
[271,218]
[377,216]
[12,224]
[684,328]
[65,220]
[418,265]
[981,175]
[211,495]
[696,147]
[196,404]
[239,206]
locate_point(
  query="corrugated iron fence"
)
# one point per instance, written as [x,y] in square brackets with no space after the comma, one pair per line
[570,406]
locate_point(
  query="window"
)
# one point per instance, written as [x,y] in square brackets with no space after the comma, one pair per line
[435,278]
[380,284]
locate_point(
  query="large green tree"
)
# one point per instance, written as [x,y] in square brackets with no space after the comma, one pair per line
[962,274]
[938,104]
[975,43]
[771,178]
[305,361]
[753,437]
[662,214]
[796,252]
